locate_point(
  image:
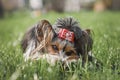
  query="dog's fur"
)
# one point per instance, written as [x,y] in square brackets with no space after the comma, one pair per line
[43,38]
[40,33]
[83,41]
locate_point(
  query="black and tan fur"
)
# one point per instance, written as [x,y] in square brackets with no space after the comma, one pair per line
[83,41]
[46,35]
[36,35]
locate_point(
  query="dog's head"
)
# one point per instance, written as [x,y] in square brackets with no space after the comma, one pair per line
[68,40]
[67,31]
[61,42]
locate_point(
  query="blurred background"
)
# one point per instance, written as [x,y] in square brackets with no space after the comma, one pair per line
[39,7]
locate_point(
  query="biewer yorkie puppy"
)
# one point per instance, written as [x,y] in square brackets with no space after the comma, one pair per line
[64,41]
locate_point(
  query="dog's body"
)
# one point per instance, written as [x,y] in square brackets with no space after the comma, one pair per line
[44,38]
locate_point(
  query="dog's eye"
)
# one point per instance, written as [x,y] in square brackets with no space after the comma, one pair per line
[69,53]
[54,47]
[39,33]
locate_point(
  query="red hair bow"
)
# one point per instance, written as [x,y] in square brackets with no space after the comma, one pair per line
[66,35]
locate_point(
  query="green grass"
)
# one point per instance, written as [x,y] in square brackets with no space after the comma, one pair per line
[106,28]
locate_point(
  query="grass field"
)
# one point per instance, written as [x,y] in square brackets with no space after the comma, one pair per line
[106,28]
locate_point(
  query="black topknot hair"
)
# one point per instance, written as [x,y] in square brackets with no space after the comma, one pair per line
[68,23]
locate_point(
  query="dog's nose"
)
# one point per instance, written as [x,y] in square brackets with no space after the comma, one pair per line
[61,54]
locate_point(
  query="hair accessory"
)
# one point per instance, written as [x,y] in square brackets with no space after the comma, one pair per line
[66,35]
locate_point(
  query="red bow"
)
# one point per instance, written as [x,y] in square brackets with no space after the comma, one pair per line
[66,35]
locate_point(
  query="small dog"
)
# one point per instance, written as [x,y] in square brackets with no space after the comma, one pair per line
[42,38]
[64,39]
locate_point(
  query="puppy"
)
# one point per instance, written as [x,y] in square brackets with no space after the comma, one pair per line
[65,40]
[42,38]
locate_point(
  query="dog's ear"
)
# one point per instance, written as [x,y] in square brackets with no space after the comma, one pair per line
[88,37]
[42,26]
[44,30]
[88,31]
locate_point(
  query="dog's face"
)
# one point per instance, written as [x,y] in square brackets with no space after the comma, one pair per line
[64,49]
